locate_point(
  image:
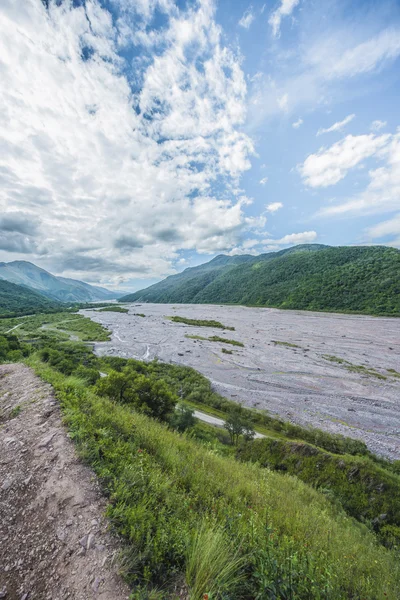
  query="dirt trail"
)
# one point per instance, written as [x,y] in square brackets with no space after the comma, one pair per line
[54,542]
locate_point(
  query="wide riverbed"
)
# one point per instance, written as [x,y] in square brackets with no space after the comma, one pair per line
[298,383]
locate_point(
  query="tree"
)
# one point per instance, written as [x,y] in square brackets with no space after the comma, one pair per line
[183,418]
[145,394]
[153,397]
[116,386]
[237,424]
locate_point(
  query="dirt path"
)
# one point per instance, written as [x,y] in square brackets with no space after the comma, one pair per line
[54,543]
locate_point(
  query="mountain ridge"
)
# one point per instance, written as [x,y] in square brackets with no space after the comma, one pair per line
[61,289]
[360,279]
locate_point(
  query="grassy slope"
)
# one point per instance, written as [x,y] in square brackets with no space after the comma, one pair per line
[163,487]
[17,300]
[348,279]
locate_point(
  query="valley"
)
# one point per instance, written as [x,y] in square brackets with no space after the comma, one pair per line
[335,372]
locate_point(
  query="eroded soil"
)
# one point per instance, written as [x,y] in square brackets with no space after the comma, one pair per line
[54,540]
[303,383]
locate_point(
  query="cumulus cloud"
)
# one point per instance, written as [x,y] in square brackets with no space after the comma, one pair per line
[284,10]
[124,165]
[383,190]
[274,206]
[264,180]
[338,126]
[247,18]
[329,165]
[298,123]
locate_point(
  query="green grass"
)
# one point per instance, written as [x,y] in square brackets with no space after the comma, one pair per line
[200,322]
[215,338]
[290,541]
[362,487]
[225,351]
[59,326]
[139,314]
[393,372]
[118,309]
[355,368]
[15,411]
[287,344]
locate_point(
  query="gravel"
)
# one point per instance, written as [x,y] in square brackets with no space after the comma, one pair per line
[297,382]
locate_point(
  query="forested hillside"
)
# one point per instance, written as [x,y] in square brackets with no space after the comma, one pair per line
[18,300]
[349,279]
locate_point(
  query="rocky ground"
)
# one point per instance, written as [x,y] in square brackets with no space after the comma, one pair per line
[302,366]
[54,541]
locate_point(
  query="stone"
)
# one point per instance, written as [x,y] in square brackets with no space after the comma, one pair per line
[6,485]
[46,441]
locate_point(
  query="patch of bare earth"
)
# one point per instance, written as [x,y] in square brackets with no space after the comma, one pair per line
[54,539]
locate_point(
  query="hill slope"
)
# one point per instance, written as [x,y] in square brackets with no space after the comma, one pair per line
[16,300]
[57,288]
[355,279]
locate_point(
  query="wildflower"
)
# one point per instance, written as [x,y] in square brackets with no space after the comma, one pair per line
[140,451]
[205,596]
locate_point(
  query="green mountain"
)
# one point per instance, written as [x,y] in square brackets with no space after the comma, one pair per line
[18,300]
[363,279]
[61,289]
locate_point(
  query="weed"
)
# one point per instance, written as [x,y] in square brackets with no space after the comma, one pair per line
[15,411]
[287,344]
[216,338]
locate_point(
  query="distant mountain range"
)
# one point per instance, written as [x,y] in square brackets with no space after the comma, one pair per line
[362,279]
[60,289]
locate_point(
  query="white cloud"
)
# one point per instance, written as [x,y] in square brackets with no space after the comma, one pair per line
[283,102]
[339,126]
[383,191]
[368,55]
[264,180]
[274,206]
[334,56]
[329,165]
[284,10]
[378,125]
[247,18]
[389,227]
[120,178]
[306,237]
[298,123]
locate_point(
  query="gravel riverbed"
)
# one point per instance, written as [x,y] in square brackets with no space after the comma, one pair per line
[303,382]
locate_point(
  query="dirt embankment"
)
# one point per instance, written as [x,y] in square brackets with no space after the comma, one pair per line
[54,542]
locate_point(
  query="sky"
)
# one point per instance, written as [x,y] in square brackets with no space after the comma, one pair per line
[141,137]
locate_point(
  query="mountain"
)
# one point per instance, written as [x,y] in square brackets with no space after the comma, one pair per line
[62,289]
[363,279]
[18,300]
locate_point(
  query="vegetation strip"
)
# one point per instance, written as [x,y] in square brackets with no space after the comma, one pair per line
[200,322]
[215,338]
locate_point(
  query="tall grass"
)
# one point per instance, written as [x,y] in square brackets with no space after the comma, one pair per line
[292,542]
[213,565]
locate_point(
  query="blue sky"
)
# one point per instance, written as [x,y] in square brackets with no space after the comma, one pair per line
[139,137]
